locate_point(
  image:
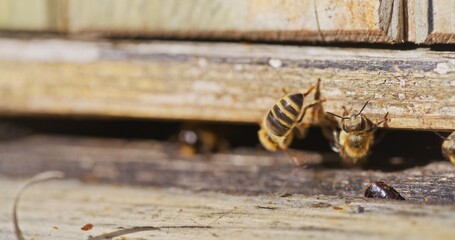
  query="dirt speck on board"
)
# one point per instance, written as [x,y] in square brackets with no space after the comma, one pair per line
[87,227]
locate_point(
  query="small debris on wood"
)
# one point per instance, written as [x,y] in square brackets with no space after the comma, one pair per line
[87,227]
[44,176]
[320,205]
[383,191]
[121,232]
[265,207]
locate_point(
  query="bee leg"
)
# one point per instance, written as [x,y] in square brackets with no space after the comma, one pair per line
[328,125]
[301,131]
[381,136]
[318,110]
[317,93]
[316,97]
[284,147]
[314,103]
[312,87]
[293,159]
[345,111]
[384,120]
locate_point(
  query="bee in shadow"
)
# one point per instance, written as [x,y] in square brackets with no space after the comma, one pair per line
[448,146]
[356,136]
[203,139]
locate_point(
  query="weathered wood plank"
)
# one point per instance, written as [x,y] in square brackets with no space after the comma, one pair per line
[221,82]
[58,210]
[431,22]
[26,15]
[246,172]
[387,21]
[294,20]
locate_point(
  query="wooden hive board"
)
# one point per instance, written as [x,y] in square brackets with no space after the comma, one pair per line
[220,81]
[325,203]
[430,22]
[59,210]
[386,21]
[296,20]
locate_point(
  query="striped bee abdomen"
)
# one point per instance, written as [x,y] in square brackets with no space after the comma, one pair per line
[277,127]
[297,100]
[283,115]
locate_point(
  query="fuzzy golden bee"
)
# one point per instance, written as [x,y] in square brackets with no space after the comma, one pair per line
[284,119]
[356,136]
[448,147]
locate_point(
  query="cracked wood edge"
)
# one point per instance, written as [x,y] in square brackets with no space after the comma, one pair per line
[221,82]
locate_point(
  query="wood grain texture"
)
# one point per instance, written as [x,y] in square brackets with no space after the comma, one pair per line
[386,21]
[221,82]
[25,15]
[431,21]
[245,171]
[441,23]
[66,206]
[230,196]
[272,20]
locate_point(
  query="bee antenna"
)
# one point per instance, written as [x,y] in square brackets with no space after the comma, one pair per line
[444,138]
[338,116]
[364,105]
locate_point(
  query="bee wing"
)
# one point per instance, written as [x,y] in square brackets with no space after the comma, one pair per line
[334,141]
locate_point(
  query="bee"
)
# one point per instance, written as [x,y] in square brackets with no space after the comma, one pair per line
[381,190]
[448,146]
[284,120]
[356,136]
[201,139]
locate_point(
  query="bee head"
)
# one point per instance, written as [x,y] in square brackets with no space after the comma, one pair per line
[355,121]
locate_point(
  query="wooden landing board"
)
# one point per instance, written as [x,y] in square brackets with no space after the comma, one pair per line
[221,82]
[59,209]
[294,20]
[240,171]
